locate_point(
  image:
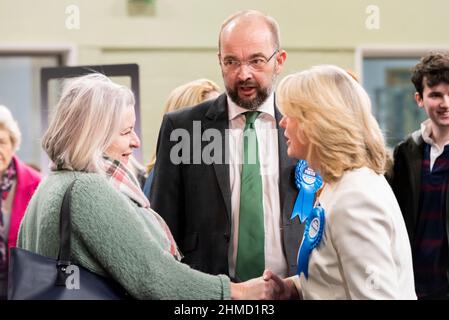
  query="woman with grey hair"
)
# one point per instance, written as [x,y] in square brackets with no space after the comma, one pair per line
[114,232]
[17,184]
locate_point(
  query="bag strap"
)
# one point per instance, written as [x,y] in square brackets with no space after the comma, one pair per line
[64,255]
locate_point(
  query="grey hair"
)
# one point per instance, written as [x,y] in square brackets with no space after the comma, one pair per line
[7,121]
[87,117]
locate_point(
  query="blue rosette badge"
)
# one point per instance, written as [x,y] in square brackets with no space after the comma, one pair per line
[308,183]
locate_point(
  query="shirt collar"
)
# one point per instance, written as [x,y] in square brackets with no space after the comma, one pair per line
[235,110]
[426,133]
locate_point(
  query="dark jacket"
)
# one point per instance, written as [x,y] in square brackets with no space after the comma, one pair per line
[405,180]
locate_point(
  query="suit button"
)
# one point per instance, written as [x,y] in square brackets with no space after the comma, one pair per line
[227,237]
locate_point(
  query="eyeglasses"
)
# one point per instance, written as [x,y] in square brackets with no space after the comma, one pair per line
[256,64]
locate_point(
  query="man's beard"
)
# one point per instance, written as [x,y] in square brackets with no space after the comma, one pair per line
[249,104]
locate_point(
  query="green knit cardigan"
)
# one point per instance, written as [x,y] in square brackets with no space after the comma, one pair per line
[111,236]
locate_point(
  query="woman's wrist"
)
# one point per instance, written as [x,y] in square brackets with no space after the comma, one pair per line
[236,291]
[294,287]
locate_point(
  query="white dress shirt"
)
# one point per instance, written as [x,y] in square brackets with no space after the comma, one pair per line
[267,137]
[435,150]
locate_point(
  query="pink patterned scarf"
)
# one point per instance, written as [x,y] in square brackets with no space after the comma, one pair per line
[125,181]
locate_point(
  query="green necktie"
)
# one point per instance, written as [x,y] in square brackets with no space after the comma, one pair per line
[250,253]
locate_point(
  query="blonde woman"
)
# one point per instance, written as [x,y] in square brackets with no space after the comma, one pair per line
[114,232]
[186,95]
[364,252]
[191,93]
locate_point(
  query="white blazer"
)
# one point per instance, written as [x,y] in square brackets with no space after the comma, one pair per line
[365,251]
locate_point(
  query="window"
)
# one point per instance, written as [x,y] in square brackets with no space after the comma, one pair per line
[386,72]
[387,81]
[19,92]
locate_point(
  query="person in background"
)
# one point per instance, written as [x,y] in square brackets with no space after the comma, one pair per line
[114,232]
[420,179]
[186,95]
[17,184]
[361,248]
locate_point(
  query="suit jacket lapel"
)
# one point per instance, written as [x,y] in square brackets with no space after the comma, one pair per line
[217,118]
[415,166]
[287,190]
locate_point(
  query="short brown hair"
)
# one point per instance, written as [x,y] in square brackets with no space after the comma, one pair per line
[433,68]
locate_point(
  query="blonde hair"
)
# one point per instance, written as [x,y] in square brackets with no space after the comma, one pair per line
[334,115]
[190,94]
[186,95]
[86,119]
[7,122]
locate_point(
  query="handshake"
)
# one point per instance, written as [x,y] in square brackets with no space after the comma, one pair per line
[267,287]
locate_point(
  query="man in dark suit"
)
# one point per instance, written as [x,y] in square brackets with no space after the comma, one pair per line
[198,191]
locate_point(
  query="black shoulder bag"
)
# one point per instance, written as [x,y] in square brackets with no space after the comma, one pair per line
[35,277]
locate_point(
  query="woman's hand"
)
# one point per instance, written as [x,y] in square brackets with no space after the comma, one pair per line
[267,287]
[287,287]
